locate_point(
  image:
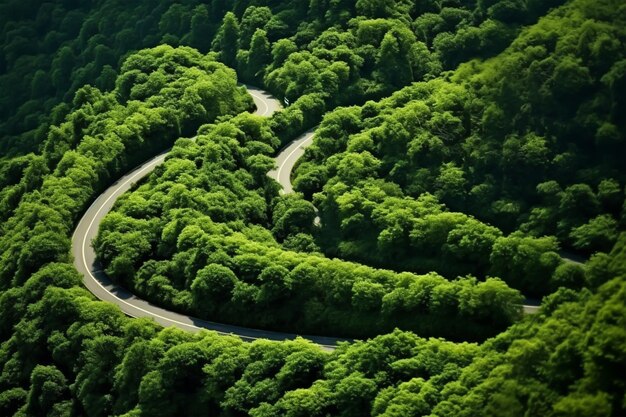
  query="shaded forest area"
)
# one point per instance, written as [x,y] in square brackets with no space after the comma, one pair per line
[482,168]
[50,50]
[200,237]
[531,142]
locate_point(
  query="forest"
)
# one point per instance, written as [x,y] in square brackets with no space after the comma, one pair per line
[468,158]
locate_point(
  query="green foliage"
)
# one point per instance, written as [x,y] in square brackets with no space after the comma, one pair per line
[491,149]
[526,261]
[227,39]
[212,284]
[292,215]
[600,233]
[200,226]
[485,170]
[48,386]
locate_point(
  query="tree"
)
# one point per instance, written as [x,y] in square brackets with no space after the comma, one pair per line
[355,167]
[610,195]
[452,186]
[578,203]
[11,400]
[354,395]
[275,285]
[254,18]
[585,405]
[471,241]
[211,287]
[281,51]
[48,387]
[227,40]
[174,388]
[568,275]
[41,249]
[394,67]
[367,296]
[259,56]
[311,402]
[525,263]
[570,79]
[259,166]
[508,11]
[139,359]
[302,367]
[292,215]
[201,29]
[384,8]
[62,66]
[599,234]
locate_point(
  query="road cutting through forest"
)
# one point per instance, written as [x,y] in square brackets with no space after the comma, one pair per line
[99,284]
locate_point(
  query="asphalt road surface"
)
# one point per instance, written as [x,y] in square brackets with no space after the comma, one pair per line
[99,284]
[287,158]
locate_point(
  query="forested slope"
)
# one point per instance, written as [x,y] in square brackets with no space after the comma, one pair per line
[488,169]
[51,49]
[302,51]
[531,142]
[200,236]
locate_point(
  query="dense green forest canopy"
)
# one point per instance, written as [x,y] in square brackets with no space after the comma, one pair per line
[502,141]
[202,235]
[468,154]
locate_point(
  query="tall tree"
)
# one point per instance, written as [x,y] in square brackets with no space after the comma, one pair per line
[394,66]
[259,56]
[227,40]
[201,32]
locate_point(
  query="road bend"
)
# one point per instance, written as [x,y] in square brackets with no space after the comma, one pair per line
[99,284]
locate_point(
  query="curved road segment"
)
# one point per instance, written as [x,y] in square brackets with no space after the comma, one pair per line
[99,284]
[287,158]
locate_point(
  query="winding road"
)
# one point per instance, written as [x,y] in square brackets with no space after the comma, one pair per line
[287,158]
[99,284]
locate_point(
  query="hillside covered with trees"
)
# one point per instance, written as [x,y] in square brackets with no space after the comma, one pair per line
[467,155]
